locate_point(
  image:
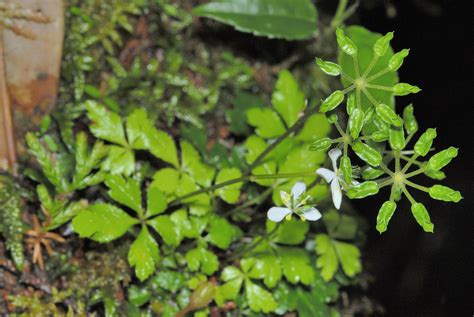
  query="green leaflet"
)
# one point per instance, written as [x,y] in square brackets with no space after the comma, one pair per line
[231,193]
[203,260]
[222,233]
[266,121]
[102,222]
[144,254]
[287,98]
[271,18]
[332,253]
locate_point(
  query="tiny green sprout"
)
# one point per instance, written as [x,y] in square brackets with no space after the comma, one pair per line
[294,204]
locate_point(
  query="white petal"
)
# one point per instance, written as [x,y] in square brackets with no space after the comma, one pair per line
[336,193]
[298,189]
[334,155]
[277,214]
[312,214]
[327,174]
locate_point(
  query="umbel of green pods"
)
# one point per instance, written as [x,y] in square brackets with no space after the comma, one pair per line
[379,136]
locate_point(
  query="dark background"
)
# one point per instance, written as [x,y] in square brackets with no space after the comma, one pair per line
[421,274]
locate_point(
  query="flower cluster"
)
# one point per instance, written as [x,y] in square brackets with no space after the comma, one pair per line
[377,135]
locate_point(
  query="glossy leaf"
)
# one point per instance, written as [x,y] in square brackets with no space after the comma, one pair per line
[287,98]
[144,255]
[125,191]
[102,222]
[345,43]
[411,125]
[396,60]
[332,101]
[403,89]
[271,18]
[105,125]
[356,121]
[396,138]
[388,115]
[382,44]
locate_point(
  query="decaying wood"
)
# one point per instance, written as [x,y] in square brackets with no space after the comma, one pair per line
[32,33]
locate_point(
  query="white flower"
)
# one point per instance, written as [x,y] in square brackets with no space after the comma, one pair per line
[294,204]
[333,177]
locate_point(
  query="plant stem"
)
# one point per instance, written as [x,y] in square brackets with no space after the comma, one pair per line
[242,179]
[338,16]
[377,75]
[414,173]
[419,187]
[409,163]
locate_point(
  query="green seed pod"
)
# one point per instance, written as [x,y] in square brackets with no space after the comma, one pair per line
[367,154]
[356,121]
[329,68]
[332,101]
[370,173]
[351,103]
[345,43]
[411,125]
[382,44]
[424,143]
[321,144]
[422,217]
[438,175]
[396,60]
[441,159]
[385,214]
[346,168]
[396,138]
[369,114]
[363,190]
[380,136]
[444,193]
[403,89]
[388,115]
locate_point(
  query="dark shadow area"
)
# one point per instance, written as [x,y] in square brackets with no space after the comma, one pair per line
[419,274]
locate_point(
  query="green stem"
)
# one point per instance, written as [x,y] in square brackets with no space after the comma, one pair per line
[256,243]
[377,75]
[245,178]
[409,196]
[414,173]
[386,183]
[409,163]
[380,87]
[348,89]
[254,201]
[369,96]
[347,77]
[356,66]
[338,16]
[386,169]
[419,187]
[374,60]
